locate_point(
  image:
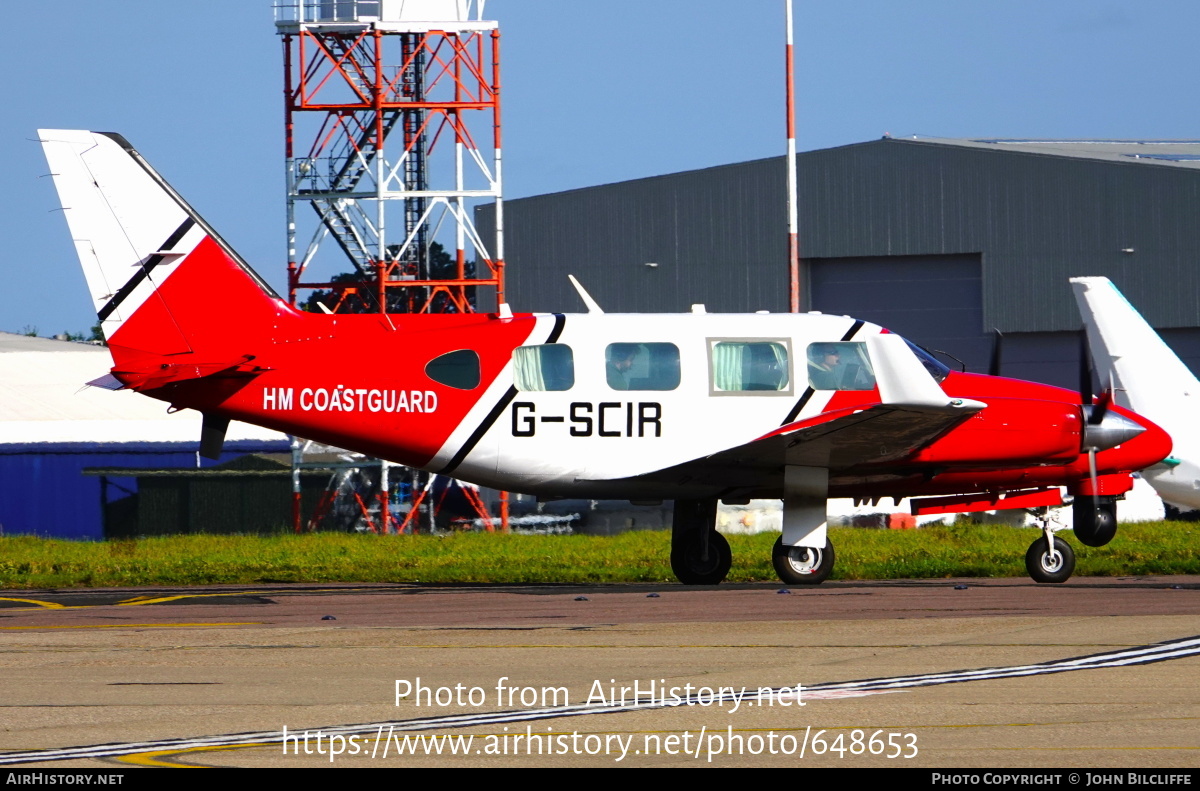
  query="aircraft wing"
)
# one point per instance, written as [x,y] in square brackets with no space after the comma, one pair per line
[838,441]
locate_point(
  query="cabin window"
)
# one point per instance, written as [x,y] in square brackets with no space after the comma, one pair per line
[459,369]
[541,368]
[642,366]
[750,366]
[840,366]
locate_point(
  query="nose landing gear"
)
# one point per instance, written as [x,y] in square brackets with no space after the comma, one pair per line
[1049,559]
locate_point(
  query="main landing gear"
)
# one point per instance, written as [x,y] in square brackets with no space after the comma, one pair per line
[699,554]
[802,565]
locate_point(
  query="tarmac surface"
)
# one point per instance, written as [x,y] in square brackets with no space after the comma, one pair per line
[1099,672]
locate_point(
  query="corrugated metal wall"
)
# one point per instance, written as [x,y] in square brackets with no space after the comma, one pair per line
[718,235]
[1038,220]
[933,300]
[709,231]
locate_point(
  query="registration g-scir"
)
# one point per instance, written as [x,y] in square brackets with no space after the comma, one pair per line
[694,408]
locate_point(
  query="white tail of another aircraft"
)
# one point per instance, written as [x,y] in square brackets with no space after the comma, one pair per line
[1148,378]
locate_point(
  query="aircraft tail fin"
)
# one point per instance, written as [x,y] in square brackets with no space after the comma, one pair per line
[1148,377]
[160,277]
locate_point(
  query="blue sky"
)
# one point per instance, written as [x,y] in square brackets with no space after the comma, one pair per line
[593,93]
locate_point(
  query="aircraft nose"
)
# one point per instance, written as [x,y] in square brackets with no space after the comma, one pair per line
[1110,432]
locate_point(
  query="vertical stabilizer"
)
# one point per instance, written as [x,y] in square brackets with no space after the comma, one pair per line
[148,257]
[1149,379]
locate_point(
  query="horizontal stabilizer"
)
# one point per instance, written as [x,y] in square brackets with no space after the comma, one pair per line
[107,382]
[158,375]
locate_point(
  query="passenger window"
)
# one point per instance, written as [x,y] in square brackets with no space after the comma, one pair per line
[750,366]
[540,368]
[458,369]
[642,366]
[840,366]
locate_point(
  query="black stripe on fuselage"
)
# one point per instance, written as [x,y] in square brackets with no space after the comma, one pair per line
[187,208]
[808,393]
[559,322]
[854,328]
[144,270]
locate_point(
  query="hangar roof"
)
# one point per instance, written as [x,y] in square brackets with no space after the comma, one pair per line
[1175,153]
[43,399]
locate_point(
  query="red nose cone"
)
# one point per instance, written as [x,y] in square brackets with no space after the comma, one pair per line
[1150,447]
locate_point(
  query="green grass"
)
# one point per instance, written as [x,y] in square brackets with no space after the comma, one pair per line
[967,551]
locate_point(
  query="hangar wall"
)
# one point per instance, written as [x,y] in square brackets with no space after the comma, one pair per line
[52,427]
[1031,220]
[44,492]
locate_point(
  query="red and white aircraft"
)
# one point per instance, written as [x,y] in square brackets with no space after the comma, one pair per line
[694,408]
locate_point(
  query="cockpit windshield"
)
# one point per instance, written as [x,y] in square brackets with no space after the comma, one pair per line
[936,369]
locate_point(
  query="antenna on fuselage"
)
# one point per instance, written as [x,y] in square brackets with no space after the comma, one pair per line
[592,305]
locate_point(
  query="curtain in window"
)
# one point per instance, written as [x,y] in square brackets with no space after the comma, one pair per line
[527,368]
[547,367]
[727,365]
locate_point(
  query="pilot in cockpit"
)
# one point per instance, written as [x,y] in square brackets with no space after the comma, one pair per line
[824,366]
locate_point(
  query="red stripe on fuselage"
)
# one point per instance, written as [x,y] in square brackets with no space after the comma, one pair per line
[385,404]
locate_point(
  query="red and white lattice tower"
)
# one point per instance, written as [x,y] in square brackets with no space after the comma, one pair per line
[392,130]
[392,134]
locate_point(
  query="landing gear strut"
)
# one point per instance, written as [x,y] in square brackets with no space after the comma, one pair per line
[1050,559]
[699,554]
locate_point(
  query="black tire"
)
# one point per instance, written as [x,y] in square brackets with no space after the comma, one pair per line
[1095,520]
[690,564]
[1043,568]
[802,565]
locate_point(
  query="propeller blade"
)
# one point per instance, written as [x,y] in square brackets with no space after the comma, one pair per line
[997,353]
[1092,469]
[1101,408]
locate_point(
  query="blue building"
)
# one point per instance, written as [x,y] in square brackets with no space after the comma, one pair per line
[52,427]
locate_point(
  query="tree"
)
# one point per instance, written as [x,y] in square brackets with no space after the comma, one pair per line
[438,265]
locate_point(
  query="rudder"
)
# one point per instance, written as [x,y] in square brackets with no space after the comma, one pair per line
[148,257]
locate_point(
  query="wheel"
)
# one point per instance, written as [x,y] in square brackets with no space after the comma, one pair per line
[1044,567]
[692,566]
[802,565]
[1095,520]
